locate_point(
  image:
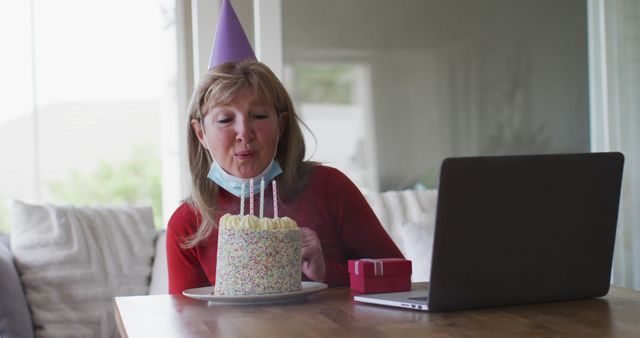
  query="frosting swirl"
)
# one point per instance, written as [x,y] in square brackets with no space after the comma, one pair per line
[253,222]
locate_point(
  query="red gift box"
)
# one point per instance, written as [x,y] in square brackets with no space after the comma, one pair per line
[380,275]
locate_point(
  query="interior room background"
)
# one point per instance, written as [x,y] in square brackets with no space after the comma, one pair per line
[94,105]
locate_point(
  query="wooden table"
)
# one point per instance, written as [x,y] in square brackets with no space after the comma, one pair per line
[332,313]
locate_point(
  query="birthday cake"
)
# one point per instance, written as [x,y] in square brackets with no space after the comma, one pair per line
[257,256]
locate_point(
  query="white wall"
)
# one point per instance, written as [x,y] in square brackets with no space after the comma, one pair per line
[445,74]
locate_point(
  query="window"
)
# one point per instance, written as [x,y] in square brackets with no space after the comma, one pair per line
[86,87]
[444,78]
[331,99]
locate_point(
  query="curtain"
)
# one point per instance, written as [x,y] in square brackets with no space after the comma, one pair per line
[614,57]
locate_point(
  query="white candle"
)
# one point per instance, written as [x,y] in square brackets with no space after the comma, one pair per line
[251,196]
[261,197]
[242,198]
[275,198]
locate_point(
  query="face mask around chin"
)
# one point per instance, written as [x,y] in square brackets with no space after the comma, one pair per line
[233,184]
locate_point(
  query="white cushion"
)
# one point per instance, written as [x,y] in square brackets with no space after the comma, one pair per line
[74,260]
[417,244]
[408,216]
[160,275]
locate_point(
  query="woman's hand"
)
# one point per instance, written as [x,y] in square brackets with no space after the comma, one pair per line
[312,259]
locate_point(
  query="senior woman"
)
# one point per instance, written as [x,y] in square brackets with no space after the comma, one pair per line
[242,125]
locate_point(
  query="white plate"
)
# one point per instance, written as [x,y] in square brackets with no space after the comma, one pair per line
[206,293]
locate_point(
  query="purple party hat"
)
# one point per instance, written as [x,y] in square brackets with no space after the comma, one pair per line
[230,43]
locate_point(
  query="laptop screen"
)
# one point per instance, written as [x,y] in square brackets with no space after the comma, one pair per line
[524,229]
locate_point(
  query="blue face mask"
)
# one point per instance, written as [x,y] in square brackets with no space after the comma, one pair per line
[233,184]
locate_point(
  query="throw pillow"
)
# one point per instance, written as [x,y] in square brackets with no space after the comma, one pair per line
[417,240]
[408,216]
[75,260]
[160,275]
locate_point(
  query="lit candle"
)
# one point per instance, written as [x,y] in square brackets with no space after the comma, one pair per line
[275,198]
[242,198]
[261,197]
[251,196]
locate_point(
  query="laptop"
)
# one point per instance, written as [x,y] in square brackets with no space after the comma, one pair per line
[518,230]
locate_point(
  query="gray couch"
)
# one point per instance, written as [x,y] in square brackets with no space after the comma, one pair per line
[15,319]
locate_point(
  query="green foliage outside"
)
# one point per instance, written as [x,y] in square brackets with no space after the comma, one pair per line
[136,181]
[323,84]
[429,180]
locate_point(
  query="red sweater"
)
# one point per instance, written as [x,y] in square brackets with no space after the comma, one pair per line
[330,204]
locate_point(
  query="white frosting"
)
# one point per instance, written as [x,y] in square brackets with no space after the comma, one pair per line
[253,222]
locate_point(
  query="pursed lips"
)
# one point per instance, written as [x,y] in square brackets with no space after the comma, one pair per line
[245,154]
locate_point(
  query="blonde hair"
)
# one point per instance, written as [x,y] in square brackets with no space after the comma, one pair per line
[219,86]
